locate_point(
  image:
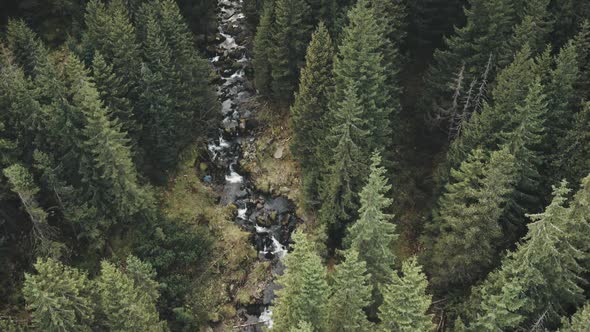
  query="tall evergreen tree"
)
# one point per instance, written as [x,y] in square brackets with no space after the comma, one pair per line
[534,28]
[124,300]
[290,37]
[489,24]
[467,222]
[28,51]
[574,156]
[350,293]
[543,276]
[304,295]
[308,114]
[360,63]
[373,234]
[262,50]
[405,302]
[59,297]
[342,178]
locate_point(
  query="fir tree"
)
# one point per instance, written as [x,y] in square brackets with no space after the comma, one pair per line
[373,234]
[59,297]
[534,29]
[290,37]
[124,302]
[468,219]
[309,110]
[405,302]
[350,293]
[262,48]
[305,290]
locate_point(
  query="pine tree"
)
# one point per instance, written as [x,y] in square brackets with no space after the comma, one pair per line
[290,37]
[467,221]
[543,276]
[405,302]
[350,293]
[308,114]
[59,297]
[262,48]
[578,322]
[373,234]
[124,302]
[360,63]
[342,179]
[582,44]
[304,295]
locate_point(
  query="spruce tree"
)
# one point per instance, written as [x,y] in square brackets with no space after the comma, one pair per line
[350,294]
[290,37]
[405,301]
[574,156]
[534,28]
[59,297]
[373,234]
[113,94]
[489,24]
[343,173]
[27,49]
[577,322]
[359,63]
[124,302]
[467,221]
[262,51]
[542,277]
[308,113]
[304,295]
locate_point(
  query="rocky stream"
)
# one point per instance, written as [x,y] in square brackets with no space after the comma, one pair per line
[269,219]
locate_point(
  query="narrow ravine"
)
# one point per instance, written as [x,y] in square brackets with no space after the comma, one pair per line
[270,219]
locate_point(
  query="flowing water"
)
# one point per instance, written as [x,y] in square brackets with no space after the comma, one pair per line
[270,220]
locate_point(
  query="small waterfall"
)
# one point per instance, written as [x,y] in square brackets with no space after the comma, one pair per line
[270,220]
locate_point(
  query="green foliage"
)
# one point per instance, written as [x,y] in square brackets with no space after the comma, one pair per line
[543,276]
[350,293]
[534,28]
[578,322]
[308,114]
[127,298]
[467,223]
[290,36]
[373,234]
[573,150]
[405,302]
[28,51]
[59,297]
[359,66]
[305,290]
[262,50]
[342,178]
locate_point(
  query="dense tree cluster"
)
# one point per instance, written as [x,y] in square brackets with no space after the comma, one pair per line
[443,150]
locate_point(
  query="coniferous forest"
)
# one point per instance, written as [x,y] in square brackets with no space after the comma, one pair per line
[295,165]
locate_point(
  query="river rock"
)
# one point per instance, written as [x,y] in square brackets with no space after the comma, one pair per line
[279,152]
